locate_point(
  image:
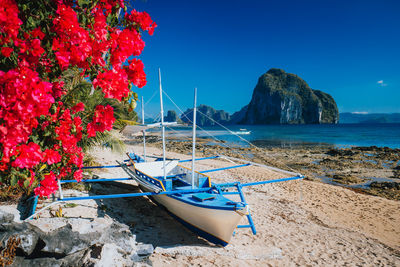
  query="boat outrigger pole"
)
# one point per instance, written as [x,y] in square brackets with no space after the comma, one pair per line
[162,123]
[194,136]
[144,134]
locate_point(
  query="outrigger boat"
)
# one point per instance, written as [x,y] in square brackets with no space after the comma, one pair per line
[187,195]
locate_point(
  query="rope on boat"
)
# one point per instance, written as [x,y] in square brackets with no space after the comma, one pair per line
[102,167]
[197,126]
[261,165]
[241,138]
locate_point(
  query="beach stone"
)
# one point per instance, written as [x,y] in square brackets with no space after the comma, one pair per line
[66,236]
[6,217]
[39,262]
[385,185]
[111,256]
[25,232]
[64,241]
[120,235]
[145,249]
[340,152]
[76,259]
[48,225]
[12,210]
[29,239]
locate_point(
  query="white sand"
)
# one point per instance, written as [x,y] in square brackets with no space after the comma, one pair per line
[298,223]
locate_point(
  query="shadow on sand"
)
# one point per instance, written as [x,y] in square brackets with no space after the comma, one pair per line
[149,222]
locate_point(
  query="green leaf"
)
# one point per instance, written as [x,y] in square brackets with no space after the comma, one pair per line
[14,180]
[83,3]
[26,183]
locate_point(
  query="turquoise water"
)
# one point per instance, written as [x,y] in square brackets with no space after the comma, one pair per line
[341,135]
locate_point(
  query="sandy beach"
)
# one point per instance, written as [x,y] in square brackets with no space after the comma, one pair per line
[299,223]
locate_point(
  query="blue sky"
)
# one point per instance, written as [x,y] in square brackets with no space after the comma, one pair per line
[349,49]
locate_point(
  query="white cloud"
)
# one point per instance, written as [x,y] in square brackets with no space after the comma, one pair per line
[360,112]
[381,83]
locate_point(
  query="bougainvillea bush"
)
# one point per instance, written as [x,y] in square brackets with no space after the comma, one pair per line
[65,66]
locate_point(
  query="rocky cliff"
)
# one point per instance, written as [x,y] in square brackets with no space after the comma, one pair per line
[219,116]
[171,116]
[285,98]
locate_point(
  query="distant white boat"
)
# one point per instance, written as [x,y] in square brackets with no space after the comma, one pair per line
[242,131]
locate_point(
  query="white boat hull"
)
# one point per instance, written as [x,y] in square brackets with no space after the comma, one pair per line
[216,222]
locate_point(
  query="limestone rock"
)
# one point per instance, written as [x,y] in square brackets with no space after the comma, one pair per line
[111,256]
[171,116]
[285,98]
[145,249]
[6,217]
[219,116]
[73,242]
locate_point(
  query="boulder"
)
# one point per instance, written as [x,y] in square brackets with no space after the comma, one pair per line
[145,249]
[285,98]
[73,242]
[6,217]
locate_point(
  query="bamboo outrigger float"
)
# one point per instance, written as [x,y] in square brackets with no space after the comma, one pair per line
[188,195]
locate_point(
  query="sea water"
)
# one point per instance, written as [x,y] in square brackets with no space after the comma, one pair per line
[340,135]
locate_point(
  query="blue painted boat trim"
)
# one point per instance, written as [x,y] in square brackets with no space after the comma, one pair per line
[180,198]
[222,185]
[189,191]
[274,181]
[244,226]
[249,218]
[34,205]
[226,168]
[151,179]
[187,160]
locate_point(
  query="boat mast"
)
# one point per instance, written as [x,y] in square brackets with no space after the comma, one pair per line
[162,123]
[144,135]
[194,136]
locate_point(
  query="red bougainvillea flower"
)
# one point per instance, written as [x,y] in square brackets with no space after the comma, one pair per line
[29,156]
[37,33]
[6,51]
[124,44]
[23,98]
[52,156]
[79,37]
[142,19]
[135,72]
[36,49]
[32,178]
[47,186]
[114,83]
[103,120]
[78,175]
[9,21]
[72,44]
[78,107]
[58,90]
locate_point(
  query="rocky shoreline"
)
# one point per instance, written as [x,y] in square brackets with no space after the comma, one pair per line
[370,170]
[84,233]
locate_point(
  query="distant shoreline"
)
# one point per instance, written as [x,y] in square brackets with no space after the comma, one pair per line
[338,135]
[356,167]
